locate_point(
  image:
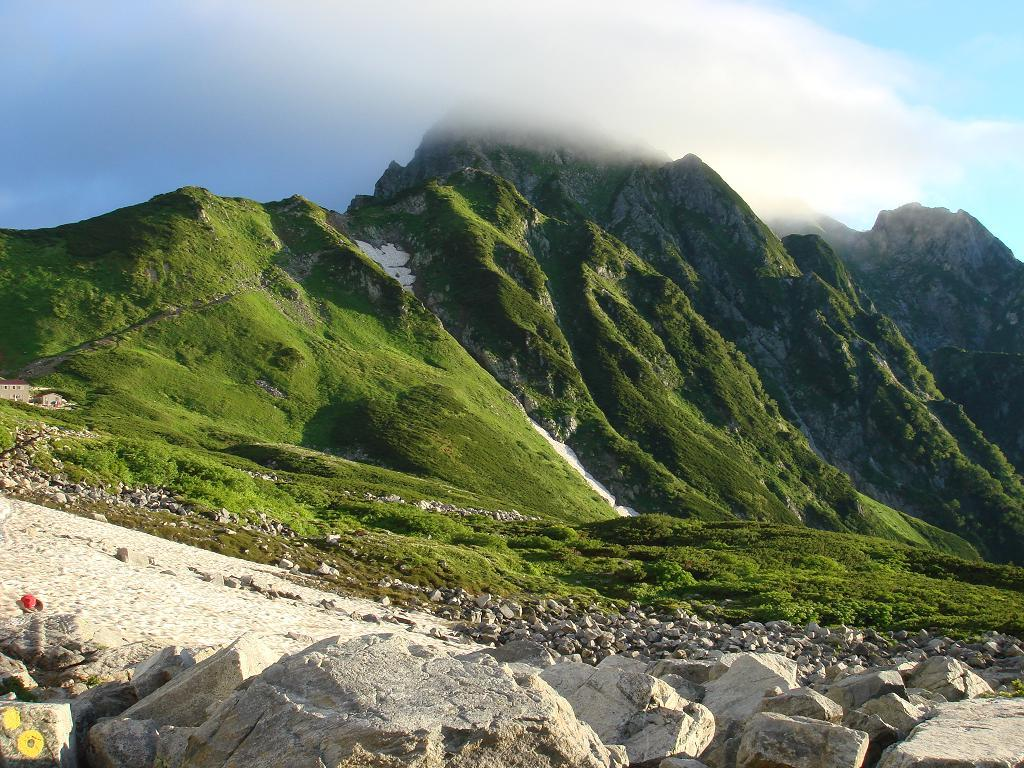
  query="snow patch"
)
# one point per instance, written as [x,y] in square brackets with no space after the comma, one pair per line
[393,260]
[570,456]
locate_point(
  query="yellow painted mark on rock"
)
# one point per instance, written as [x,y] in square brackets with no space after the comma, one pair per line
[11,718]
[31,743]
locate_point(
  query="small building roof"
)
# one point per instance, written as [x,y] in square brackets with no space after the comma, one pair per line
[22,382]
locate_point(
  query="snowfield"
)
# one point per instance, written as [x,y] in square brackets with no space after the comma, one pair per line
[570,456]
[393,260]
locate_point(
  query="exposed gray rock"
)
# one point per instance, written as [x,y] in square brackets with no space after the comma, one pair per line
[383,702]
[184,701]
[36,735]
[948,677]
[804,702]
[162,666]
[982,733]
[851,692]
[881,735]
[629,707]
[775,741]
[896,711]
[15,671]
[123,743]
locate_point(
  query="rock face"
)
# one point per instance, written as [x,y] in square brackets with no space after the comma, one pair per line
[36,735]
[185,700]
[896,711]
[967,734]
[628,707]
[383,702]
[948,677]
[776,741]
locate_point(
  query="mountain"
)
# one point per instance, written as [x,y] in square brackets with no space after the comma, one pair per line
[957,293]
[942,276]
[681,311]
[634,308]
[224,327]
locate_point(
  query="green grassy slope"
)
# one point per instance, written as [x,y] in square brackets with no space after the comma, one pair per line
[611,355]
[363,368]
[838,369]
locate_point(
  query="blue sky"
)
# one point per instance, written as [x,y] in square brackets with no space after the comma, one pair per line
[845,107]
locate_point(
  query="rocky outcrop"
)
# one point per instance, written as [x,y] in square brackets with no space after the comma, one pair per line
[383,702]
[804,702]
[626,706]
[967,734]
[36,735]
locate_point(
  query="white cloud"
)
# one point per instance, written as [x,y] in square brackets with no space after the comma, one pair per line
[784,109]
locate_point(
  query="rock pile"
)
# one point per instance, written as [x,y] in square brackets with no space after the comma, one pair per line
[502,515]
[821,653]
[386,701]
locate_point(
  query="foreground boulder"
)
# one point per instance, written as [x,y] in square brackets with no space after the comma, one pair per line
[776,741]
[184,701]
[896,711]
[738,685]
[949,678]
[36,735]
[804,702]
[384,702]
[854,691]
[629,707]
[984,733]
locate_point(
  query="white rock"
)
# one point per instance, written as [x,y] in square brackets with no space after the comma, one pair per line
[986,733]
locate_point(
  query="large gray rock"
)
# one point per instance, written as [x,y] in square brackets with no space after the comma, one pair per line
[55,641]
[896,711]
[36,735]
[881,735]
[91,706]
[14,672]
[744,680]
[948,677]
[776,741]
[804,702]
[853,691]
[160,667]
[518,652]
[983,733]
[629,707]
[384,702]
[122,743]
[186,699]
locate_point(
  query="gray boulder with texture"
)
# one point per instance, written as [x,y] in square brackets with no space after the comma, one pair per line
[896,711]
[384,702]
[738,685]
[629,707]
[186,699]
[804,702]
[949,678]
[853,691]
[982,733]
[776,741]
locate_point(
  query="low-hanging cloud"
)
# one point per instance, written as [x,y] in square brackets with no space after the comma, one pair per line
[265,98]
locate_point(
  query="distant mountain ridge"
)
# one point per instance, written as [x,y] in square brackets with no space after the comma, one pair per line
[957,293]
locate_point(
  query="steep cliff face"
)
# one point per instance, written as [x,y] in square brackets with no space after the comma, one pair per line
[945,279]
[839,369]
[957,293]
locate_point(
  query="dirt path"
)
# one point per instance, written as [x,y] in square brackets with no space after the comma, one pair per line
[46,365]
